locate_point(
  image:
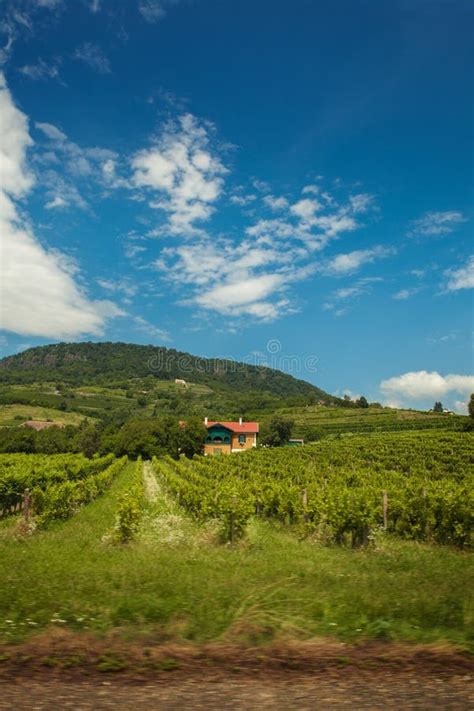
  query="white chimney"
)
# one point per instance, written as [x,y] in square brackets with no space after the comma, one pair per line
[206,421]
[240,420]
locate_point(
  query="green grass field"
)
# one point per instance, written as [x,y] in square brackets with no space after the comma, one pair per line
[14,415]
[176,582]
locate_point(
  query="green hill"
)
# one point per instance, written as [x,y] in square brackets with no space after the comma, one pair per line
[104,363]
[116,381]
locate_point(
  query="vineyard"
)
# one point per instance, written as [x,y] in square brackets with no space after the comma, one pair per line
[54,485]
[314,422]
[416,486]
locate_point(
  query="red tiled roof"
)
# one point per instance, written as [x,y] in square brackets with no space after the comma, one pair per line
[245,427]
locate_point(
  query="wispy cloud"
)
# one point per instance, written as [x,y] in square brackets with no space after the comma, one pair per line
[352,261]
[158,334]
[125,287]
[154,10]
[41,71]
[92,55]
[337,300]
[405,294]
[67,168]
[436,223]
[361,202]
[22,18]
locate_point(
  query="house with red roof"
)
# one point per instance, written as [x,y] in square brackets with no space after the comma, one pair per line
[229,437]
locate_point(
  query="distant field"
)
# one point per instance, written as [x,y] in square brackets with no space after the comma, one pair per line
[194,388]
[14,415]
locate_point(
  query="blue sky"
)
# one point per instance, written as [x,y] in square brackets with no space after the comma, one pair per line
[259,180]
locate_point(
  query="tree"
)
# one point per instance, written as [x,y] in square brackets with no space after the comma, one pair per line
[362,402]
[88,440]
[438,407]
[17,439]
[191,437]
[279,432]
[470,406]
[52,440]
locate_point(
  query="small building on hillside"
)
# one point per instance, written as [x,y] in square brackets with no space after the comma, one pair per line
[295,442]
[229,437]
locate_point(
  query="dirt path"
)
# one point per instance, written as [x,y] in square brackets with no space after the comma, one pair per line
[164,521]
[341,690]
[152,489]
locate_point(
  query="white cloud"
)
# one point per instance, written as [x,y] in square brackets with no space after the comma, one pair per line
[151,10]
[92,55]
[242,292]
[121,286]
[242,200]
[57,201]
[352,261]
[38,293]
[52,132]
[423,384]
[436,223]
[462,278]
[313,189]
[361,203]
[305,209]
[83,167]
[41,70]
[460,407]
[261,185]
[243,276]
[184,172]
[349,294]
[275,203]
[237,279]
[154,10]
[21,18]
[150,329]
[405,294]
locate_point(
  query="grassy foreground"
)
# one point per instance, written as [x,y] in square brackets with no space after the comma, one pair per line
[267,587]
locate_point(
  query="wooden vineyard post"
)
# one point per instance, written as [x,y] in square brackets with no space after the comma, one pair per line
[305,505]
[385,510]
[231,527]
[26,505]
[427,526]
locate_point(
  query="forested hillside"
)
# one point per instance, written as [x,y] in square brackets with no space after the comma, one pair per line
[108,363]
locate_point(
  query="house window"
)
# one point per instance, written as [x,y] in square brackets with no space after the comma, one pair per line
[242,439]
